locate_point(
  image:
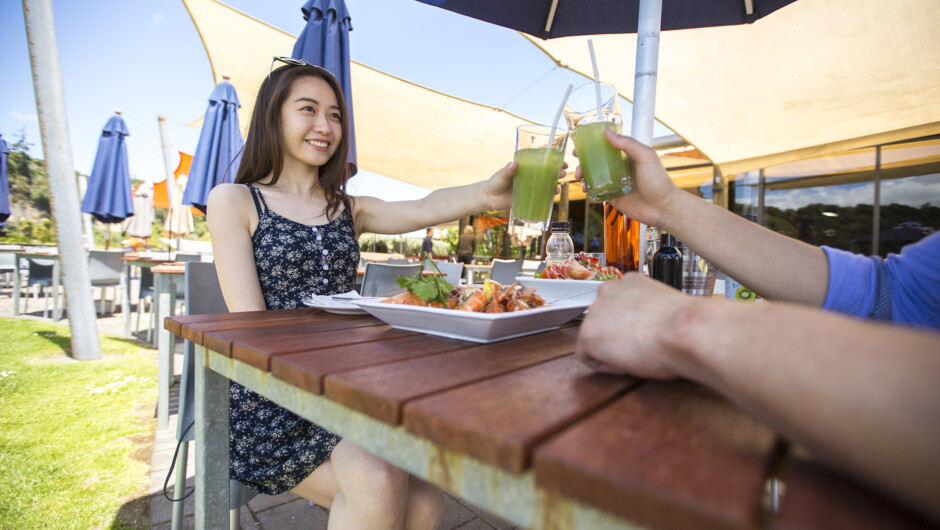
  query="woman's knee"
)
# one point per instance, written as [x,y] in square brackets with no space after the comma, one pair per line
[367,474]
[425,506]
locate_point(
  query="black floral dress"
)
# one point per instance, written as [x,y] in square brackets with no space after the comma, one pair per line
[272,449]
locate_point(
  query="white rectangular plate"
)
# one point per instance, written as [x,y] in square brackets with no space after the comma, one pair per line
[338,307]
[475,327]
[563,290]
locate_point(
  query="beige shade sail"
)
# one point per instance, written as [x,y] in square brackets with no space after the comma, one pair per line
[403,131]
[814,78]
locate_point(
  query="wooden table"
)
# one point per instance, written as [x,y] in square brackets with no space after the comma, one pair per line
[165,278]
[134,259]
[469,270]
[519,427]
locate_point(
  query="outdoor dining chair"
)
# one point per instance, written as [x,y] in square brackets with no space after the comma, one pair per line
[380,278]
[105,269]
[39,273]
[145,293]
[453,272]
[7,266]
[505,271]
[202,288]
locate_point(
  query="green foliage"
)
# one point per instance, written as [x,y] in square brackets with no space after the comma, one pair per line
[70,430]
[428,288]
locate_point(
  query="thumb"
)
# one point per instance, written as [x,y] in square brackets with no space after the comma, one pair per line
[636,150]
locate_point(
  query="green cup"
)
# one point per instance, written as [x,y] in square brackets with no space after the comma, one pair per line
[605,168]
[540,160]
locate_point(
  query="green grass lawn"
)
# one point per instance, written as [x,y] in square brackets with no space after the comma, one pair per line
[75,436]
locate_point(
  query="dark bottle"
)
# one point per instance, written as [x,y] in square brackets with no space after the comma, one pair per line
[667,262]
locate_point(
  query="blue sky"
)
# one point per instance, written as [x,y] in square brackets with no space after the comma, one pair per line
[146,59]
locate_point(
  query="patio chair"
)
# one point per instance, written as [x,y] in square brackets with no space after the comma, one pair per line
[180,290]
[7,266]
[380,278]
[105,269]
[505,271]
[145,293]
[205,296]
[453,272]
[39,273]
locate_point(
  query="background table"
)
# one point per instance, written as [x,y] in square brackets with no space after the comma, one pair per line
[518,427]
[133,259]
[165,278]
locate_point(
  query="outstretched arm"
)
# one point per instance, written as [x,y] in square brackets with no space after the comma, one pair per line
[863,395]
[776,266]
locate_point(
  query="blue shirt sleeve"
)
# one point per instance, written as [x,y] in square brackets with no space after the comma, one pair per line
[913,281]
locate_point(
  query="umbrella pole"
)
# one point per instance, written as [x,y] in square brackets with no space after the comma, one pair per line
[649,22]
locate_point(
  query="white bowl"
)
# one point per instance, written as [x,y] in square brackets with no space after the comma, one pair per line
[563,290]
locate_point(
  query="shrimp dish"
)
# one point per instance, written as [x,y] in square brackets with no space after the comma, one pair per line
[580,268]
[491,298]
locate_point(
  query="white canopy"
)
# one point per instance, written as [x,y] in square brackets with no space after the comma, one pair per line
[815,77]
[403,131]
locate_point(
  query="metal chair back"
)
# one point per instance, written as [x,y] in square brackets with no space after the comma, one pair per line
[380,278]
[505,271]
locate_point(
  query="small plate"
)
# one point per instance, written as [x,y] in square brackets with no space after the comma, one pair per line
[563,290]
[337,307]
[475,327]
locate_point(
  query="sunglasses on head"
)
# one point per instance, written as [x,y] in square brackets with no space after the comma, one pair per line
[290,61]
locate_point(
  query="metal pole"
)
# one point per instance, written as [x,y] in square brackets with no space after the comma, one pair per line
[86,217]
[644,84]
[66,215]
[876,206]
[170,181]
[761,190]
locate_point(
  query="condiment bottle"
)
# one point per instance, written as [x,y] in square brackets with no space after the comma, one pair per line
[667,262]
[559,246]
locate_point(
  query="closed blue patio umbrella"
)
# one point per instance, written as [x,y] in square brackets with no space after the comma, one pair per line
[4,183]
[108,197]
[219,149]
[325,42]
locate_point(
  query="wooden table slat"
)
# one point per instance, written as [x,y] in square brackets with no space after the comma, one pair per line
[680,457]
[815,497]
[196,325]
[307,370]
[257,351]
[380,391]
[500,420]
[223,340]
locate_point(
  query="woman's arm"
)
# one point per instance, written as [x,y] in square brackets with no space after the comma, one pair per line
[446,204]
[230,210]
[776,266]
[862,395]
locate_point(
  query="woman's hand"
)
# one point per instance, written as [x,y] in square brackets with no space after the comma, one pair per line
[625,328]
[653,191]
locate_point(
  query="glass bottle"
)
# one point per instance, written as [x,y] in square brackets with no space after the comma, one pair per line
[667,262]
[621,240]
[559,246]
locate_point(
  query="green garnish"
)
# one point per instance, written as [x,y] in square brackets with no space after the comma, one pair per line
[433,287]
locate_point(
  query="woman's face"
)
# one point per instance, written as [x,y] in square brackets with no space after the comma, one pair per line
[311,121]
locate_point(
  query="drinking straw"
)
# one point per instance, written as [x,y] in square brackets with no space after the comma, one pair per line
[597,78]
[551,137]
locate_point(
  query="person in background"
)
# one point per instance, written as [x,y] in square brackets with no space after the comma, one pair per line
[466,246]
[862,394]
[285,229]
[427,246]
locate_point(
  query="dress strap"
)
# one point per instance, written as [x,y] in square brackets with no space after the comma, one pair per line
[256,194]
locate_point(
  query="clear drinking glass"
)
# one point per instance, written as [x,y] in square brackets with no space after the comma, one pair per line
[605,168]
[540,159]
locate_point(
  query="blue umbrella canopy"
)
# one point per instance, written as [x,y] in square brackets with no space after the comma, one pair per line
[218,152]
[549,19]
[4,183]
[325,42]
[108,197]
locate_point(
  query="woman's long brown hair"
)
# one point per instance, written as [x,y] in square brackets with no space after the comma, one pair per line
[263,153]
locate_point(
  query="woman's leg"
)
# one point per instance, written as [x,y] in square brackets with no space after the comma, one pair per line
[363,491]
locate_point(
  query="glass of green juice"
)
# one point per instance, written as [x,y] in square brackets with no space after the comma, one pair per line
[540,157]
[590,110]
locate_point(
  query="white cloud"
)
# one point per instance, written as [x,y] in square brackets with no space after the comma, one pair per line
[24,117]
[157,18]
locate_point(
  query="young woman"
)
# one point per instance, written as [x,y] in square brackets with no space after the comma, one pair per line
[285,229]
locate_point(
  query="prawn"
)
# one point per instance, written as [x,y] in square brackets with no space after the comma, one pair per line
[405,298]
[473,300]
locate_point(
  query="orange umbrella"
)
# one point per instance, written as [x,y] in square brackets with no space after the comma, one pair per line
[160,198]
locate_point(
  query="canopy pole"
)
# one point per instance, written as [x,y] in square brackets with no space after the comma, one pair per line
[170,182]
[649,22]
[63,191]
[876,206]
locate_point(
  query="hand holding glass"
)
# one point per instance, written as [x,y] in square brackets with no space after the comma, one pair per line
[540,161]
[605,169]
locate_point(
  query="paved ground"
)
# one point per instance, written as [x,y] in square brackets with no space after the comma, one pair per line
[286,511]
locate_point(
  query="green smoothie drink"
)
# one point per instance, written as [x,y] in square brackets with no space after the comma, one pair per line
[605,168]
[533,185]
[592,109]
